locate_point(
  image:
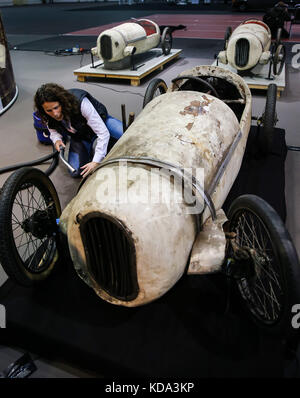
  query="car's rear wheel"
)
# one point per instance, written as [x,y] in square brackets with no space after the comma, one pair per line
[166,41]
[155,88]
[268,121]
[278,37]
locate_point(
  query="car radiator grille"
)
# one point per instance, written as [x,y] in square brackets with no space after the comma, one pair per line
[105,45]
[110,255]
[241,52]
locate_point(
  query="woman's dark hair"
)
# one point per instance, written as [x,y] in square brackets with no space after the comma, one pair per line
[51,92]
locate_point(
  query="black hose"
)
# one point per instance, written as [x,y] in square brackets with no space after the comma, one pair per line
[51,168]
[54,162]
[293,148]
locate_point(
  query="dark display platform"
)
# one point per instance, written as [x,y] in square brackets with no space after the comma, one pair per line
[189,332]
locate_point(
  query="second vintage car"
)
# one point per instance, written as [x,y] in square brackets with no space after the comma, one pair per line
[249,45]
[117,46]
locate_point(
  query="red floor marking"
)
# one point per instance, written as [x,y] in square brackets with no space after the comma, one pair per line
[199,26]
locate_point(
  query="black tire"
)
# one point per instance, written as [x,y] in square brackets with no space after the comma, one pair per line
[269,119]
[28,248]
[272,287]
[227,35]
[156,87]
[278,37]
[279,59]
[166,41]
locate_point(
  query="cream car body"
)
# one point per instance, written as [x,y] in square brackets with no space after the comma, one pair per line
[131,238]
[126,39]
[248,45]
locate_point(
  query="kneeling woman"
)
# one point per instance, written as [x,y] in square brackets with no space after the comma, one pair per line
[76,114]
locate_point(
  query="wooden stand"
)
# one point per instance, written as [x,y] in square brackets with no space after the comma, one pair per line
[257,78]
[144,64]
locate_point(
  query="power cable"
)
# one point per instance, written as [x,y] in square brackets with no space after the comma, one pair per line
[293,148]
[117,91]
[82,52]
[53,156]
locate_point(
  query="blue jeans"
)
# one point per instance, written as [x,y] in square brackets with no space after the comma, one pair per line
[114,126]
[81,152]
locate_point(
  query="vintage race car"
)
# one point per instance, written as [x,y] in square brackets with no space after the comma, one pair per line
[117,45]
[250,45]
[152,210]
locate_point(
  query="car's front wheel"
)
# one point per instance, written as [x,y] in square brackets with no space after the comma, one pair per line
[29,208]
[267,269]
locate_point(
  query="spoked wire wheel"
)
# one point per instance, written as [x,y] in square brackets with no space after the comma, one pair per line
[268,267]
[29,207]
[155,88]
[279,59]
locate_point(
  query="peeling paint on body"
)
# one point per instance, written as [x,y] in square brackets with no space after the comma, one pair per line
[197,108]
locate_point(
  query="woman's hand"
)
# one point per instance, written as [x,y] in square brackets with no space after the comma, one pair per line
[57,144]
[88,168]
